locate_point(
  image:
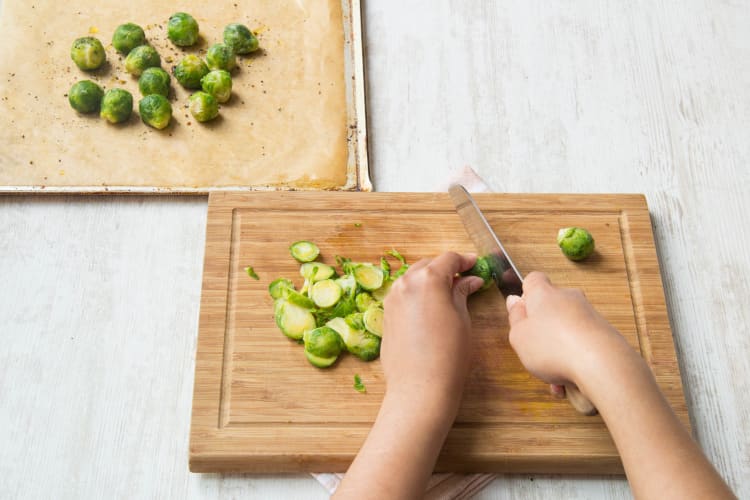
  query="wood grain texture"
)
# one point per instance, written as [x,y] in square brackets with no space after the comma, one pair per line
[576,96]
[260,407]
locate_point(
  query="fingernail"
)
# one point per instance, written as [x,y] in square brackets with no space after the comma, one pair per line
[511,301]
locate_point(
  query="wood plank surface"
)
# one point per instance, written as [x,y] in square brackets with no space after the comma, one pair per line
[260,406]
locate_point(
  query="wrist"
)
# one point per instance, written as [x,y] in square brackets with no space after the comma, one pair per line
[432,407]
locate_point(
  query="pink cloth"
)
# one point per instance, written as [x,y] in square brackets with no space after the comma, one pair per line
[441,486]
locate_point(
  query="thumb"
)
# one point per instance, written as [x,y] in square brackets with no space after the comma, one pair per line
[516,309]
[466,285]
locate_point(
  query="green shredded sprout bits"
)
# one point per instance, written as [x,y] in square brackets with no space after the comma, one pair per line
[251,272]
[358,385]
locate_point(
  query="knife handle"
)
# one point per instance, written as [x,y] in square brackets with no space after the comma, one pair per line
[580,402]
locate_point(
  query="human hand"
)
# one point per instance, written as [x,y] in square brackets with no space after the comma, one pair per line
[426,339]
[557,334]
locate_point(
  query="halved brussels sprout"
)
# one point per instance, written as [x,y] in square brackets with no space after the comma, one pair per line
[362,344]
[325,293]
[189,71]
[373,320]
[240,38]
[316,271]
[88,53]
[127,37]
[218,83]
[154,81]
[304,251]
[155,111]
[293,320]
[141,58]
[117,106]
[364,300]
[182,29]
[368,276]
[277,286]
[85,96]
[322,346]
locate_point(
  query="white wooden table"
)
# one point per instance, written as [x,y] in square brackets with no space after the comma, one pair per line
[99,295]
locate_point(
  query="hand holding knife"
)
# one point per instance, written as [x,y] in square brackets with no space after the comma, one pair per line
[507,277]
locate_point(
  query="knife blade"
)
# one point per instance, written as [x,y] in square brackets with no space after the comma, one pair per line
[506,275]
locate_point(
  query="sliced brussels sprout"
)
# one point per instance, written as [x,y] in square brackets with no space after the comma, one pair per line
[368,276]
[362,344]
[343,308]
[364,300]
[240,38]
[316,271]
[322,346]
[325,293]
[356,320]
[347,283]
[297,298]
[154,81]
[218,83]
[381,292]
[251,272]
[293,320]
[155,111]
[404,266]
[182,29]
[141,58]
[277,286]
[85,96]
[576,243]
[203,106]
[88,53]
[304,251]
[221,56]
[117,106]
[189,71]
[127,37]
[373,320]
[386,267]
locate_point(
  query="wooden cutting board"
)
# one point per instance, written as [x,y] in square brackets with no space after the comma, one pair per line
[259,406]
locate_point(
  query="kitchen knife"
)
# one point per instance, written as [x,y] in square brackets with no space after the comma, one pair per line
[506,275]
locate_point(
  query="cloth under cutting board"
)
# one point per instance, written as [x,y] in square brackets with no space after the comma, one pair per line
[440,486]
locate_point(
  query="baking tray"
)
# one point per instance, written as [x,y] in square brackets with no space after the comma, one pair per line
[275,134]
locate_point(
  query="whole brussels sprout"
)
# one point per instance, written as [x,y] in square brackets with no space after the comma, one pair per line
[127,37]
[154,81]
[221,56]
[88,53]
[575,242]
[117,106]
[218,83]
[486,268]
[155,111]
[189,71]
[203,106]
[85,96]
[240,38]
[141,58]
[182,29]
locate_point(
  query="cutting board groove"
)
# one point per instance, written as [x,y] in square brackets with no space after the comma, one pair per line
[258,405]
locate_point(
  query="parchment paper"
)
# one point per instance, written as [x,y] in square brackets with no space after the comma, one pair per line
[285,125]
